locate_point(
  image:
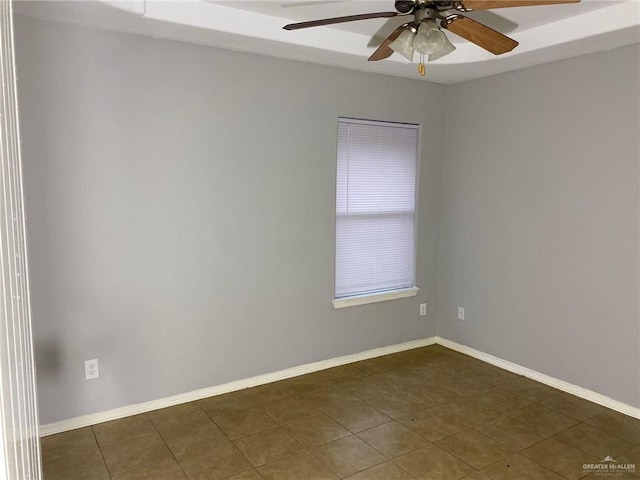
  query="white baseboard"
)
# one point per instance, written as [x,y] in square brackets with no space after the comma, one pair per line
[129,410]
[542,378]
[94,418]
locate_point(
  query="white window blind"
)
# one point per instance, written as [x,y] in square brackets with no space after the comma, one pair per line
[375,207]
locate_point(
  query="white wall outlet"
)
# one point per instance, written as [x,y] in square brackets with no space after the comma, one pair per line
[460,313]
[423,309]
[91,369]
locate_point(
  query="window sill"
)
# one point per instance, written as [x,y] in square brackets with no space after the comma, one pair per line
[374,297]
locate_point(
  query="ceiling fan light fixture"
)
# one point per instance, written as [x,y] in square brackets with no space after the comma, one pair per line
[446,49]
[424,35]
[404,44]
[429,38]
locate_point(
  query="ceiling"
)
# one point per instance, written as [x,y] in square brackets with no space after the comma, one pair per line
[510,20]
[546,33]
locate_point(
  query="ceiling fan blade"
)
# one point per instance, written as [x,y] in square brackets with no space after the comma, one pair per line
[384,51]
[331,21]
[480,34]
[489,4]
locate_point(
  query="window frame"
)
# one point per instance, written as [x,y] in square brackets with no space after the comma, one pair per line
[397,293]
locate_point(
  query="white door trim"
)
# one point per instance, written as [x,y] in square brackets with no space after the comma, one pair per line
[19,432]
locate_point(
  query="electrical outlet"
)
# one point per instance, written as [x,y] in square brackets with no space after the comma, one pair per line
[91,369]
[460,313]
[423,309]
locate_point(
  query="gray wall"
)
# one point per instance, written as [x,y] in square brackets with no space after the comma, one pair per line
[180,205]
[181,215]
[540,220]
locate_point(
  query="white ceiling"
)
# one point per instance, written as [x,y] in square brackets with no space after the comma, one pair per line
[545,33]
[509,20]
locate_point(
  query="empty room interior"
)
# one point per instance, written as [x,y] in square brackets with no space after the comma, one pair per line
[399,245]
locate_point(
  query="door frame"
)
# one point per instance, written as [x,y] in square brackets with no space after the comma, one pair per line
[20,457]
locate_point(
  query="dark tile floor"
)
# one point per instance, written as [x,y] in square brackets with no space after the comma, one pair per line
[429,413]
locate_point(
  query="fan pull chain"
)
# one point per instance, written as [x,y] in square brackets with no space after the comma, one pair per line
[421,69]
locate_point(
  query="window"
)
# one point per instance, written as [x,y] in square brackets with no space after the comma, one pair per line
[375,211]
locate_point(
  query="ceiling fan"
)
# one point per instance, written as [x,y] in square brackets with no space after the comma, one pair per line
[423,34]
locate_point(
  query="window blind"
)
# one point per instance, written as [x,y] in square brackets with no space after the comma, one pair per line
[375,206]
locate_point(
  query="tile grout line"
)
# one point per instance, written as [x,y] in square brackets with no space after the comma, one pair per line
[453,454]
[260,407]
[407,472]
[93,432]
[166,445]
[253,467]
[535,461]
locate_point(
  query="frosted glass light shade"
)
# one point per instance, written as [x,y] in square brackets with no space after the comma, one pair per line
[446,49]
[429,38]
[404,44]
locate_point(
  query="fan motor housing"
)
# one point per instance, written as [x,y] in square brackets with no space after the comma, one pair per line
[424,14]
